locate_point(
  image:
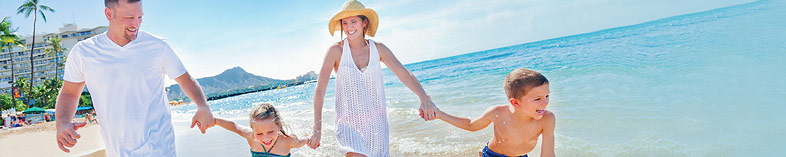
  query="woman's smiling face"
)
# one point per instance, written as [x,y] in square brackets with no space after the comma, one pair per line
[353,26]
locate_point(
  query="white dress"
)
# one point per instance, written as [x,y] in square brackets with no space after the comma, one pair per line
[361,117]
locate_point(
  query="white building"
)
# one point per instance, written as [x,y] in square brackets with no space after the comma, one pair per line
[44,64]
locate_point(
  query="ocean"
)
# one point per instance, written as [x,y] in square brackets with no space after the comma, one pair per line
[711,83]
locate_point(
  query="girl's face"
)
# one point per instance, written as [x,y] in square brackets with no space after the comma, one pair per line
[266,131]
[353,27]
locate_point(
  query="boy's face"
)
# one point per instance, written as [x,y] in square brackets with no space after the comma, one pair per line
[265,131]
[534,102]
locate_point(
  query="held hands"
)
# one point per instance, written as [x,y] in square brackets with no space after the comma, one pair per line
[66,135]
[203,119]
[313,142]
[428,111]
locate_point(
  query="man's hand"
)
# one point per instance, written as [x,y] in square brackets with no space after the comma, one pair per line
[428,111]
[67,136]
[203,119]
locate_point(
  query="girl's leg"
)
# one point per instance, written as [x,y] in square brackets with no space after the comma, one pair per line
[351,154]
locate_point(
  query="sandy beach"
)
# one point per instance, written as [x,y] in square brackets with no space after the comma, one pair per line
[39,140]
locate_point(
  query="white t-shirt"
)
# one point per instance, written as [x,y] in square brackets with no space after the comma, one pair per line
[127,87]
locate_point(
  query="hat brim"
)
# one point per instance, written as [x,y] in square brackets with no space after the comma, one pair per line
[373,19]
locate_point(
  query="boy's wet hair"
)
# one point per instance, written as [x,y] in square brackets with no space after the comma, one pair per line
[519,81]
[265,111]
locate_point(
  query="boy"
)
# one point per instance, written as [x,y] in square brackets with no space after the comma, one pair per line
[516,125]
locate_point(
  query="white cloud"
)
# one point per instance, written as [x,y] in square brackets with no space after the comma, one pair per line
[432,29]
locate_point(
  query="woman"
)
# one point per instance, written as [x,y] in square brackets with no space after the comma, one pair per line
[361,117]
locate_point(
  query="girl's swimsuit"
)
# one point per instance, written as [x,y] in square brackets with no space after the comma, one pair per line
[267,152]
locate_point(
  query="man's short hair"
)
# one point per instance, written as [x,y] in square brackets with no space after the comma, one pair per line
[112,3]
[519,81]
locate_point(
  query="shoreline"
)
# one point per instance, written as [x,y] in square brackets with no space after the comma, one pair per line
[39,140]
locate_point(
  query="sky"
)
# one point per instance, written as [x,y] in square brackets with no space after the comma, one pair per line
[284,39]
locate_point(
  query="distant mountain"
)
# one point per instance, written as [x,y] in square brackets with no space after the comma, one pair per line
[230,79]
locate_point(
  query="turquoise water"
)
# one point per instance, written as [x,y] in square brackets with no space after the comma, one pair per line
[702,84]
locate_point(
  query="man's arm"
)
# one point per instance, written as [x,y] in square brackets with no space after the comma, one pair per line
[65,108]
[203,118]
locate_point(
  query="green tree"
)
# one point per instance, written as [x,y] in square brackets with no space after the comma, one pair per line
[9,39]
[48,95]
[57,48]
[7,101]
[85,99]
[21,107]
[20,84]
[38,94]
[36,8]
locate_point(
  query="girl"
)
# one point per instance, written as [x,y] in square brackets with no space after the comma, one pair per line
[361,117]
[266,137]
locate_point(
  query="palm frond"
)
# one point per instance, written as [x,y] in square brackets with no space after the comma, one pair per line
[47,8]
[27,8]
[42,15]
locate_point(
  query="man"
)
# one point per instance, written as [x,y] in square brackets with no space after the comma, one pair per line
[124,70]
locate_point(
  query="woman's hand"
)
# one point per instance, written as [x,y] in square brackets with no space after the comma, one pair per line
[428,111]
[313,142]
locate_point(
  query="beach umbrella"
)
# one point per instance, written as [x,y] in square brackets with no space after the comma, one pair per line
[84,108]
[34,110]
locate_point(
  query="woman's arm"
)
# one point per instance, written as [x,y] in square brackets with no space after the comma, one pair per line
[232,126]
[331,60]
[427,108]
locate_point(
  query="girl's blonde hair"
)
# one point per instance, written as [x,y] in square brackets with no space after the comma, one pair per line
[265,111]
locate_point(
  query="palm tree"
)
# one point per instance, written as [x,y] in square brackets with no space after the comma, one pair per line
[9,39]
[19,85]
[36,8]
[57,47]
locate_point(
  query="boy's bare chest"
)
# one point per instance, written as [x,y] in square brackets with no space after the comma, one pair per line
[512,133]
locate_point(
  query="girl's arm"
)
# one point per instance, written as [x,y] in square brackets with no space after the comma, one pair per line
[547,147]
[428,110]
[331,60]
[465,123]
[244,131]
[297,142]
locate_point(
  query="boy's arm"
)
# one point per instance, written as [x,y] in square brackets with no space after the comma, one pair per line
[232,126]
[547,147]
[465,123]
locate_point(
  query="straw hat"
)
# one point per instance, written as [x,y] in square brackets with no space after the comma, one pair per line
[354,8]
